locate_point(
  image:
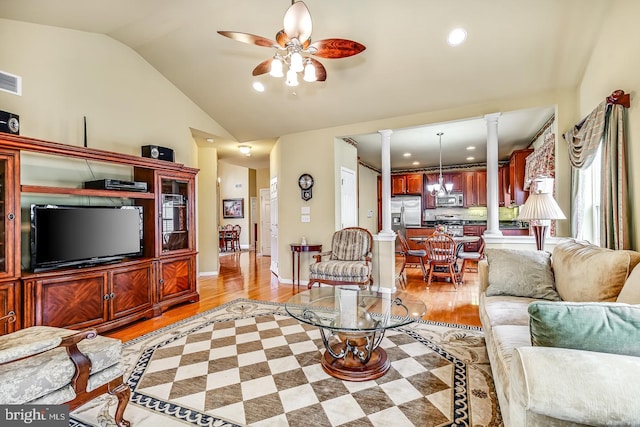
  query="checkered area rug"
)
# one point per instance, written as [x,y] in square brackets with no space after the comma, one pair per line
[249,363]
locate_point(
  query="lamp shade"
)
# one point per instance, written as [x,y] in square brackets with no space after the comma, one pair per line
[540,206]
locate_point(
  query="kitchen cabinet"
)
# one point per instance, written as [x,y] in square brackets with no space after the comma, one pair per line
[473,230]
[456,178]
[417,232]
[504,197]
[475,188]
[517,163]
[515,231]
[429,202]
[406,184]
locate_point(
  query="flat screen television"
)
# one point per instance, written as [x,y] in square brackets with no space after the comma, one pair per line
[76,236]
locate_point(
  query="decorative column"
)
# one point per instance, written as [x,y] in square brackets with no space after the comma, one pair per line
[493,217]
[384,262]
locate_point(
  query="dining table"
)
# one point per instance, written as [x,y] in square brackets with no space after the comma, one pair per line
[460,240]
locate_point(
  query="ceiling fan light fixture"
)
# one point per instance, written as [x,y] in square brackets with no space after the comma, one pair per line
[309,72]
[276,67]
[292,78]
[296,62]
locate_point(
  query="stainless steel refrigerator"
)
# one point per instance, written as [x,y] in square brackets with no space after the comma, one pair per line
[406,211]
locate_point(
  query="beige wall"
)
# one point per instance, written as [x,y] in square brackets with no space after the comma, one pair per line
[207,212]
[262,182]
[69,74]
[234,184]
[368,199]
[615,64]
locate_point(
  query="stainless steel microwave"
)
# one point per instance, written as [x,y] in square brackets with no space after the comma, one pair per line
[450,200]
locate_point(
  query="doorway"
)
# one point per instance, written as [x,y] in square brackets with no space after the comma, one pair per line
[265,222]
[348,198]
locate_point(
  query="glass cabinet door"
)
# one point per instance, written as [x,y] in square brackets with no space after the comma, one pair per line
[9,218]
[174,214]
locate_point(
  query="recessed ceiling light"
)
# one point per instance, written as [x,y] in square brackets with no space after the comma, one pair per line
[209,139]
[471,158]
[471,147]
[406,155]
[258,86]
[415,163]
[457,36]
[245,149]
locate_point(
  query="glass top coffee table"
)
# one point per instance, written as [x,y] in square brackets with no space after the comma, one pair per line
[352,323]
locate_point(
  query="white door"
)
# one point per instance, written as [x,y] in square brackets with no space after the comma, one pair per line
[349,198]
[273,197]
[265,222]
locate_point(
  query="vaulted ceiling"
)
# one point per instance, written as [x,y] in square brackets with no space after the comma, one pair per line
[514,48]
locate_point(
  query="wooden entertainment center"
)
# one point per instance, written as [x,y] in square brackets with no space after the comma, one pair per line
[103,296]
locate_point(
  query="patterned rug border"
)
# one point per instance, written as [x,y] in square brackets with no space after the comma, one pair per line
[197,418]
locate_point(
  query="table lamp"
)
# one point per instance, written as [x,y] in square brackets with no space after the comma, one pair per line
[540,207]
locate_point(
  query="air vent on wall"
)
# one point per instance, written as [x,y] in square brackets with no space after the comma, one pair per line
[10,83]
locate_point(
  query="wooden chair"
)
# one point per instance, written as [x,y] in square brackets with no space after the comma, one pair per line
[406,251]
[469,257]
[347,263]
[441,256]
[48,366]
[235,237]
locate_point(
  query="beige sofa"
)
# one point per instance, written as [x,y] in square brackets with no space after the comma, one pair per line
[551,385]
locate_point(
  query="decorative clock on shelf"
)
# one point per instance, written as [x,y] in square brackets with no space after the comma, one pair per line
[306,183]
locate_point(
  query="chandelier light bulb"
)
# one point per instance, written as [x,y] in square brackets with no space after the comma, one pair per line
[276,68]
[309,72]
[296,62]
[292,78]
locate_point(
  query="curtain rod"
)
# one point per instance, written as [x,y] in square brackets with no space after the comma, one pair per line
[619,97]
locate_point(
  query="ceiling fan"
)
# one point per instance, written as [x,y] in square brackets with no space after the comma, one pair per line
[294,48]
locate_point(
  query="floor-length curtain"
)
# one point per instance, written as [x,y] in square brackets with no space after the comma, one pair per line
[615,218]
[607,125]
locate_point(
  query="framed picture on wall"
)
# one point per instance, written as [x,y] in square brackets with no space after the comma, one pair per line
[233,208]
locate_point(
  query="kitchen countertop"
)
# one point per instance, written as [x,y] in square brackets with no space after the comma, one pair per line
[510,225]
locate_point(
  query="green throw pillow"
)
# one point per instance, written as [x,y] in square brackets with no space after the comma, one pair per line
[605,327]
[521,273]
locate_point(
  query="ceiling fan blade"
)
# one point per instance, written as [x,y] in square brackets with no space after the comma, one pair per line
[263,67]
[297,22]
[249,38]
[321,73]
[282,38]
[336,48]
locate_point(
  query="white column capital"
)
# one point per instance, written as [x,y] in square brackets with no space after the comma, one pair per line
[385,132]
[492,117]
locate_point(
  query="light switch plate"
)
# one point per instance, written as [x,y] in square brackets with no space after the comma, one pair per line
[305,218]
[305,210]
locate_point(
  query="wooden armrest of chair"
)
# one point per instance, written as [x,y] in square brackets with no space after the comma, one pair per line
[318,257]
[80,361]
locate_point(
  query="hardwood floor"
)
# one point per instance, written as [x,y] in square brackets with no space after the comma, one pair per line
[246,275]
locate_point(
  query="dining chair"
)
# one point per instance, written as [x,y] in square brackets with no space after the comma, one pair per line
[405,252]
[235,237]
[469,257]
[441,257]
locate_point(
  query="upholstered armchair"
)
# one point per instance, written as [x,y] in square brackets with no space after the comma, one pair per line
[347,263]
[46,365]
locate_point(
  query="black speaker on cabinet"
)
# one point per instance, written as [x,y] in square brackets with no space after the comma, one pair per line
[9,123]
[157,152]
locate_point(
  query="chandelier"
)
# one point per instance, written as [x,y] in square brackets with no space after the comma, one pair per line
[440,188]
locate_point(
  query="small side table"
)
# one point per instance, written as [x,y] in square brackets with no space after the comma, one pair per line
[296,248]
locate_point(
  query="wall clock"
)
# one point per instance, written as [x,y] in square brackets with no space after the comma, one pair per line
[306,183]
